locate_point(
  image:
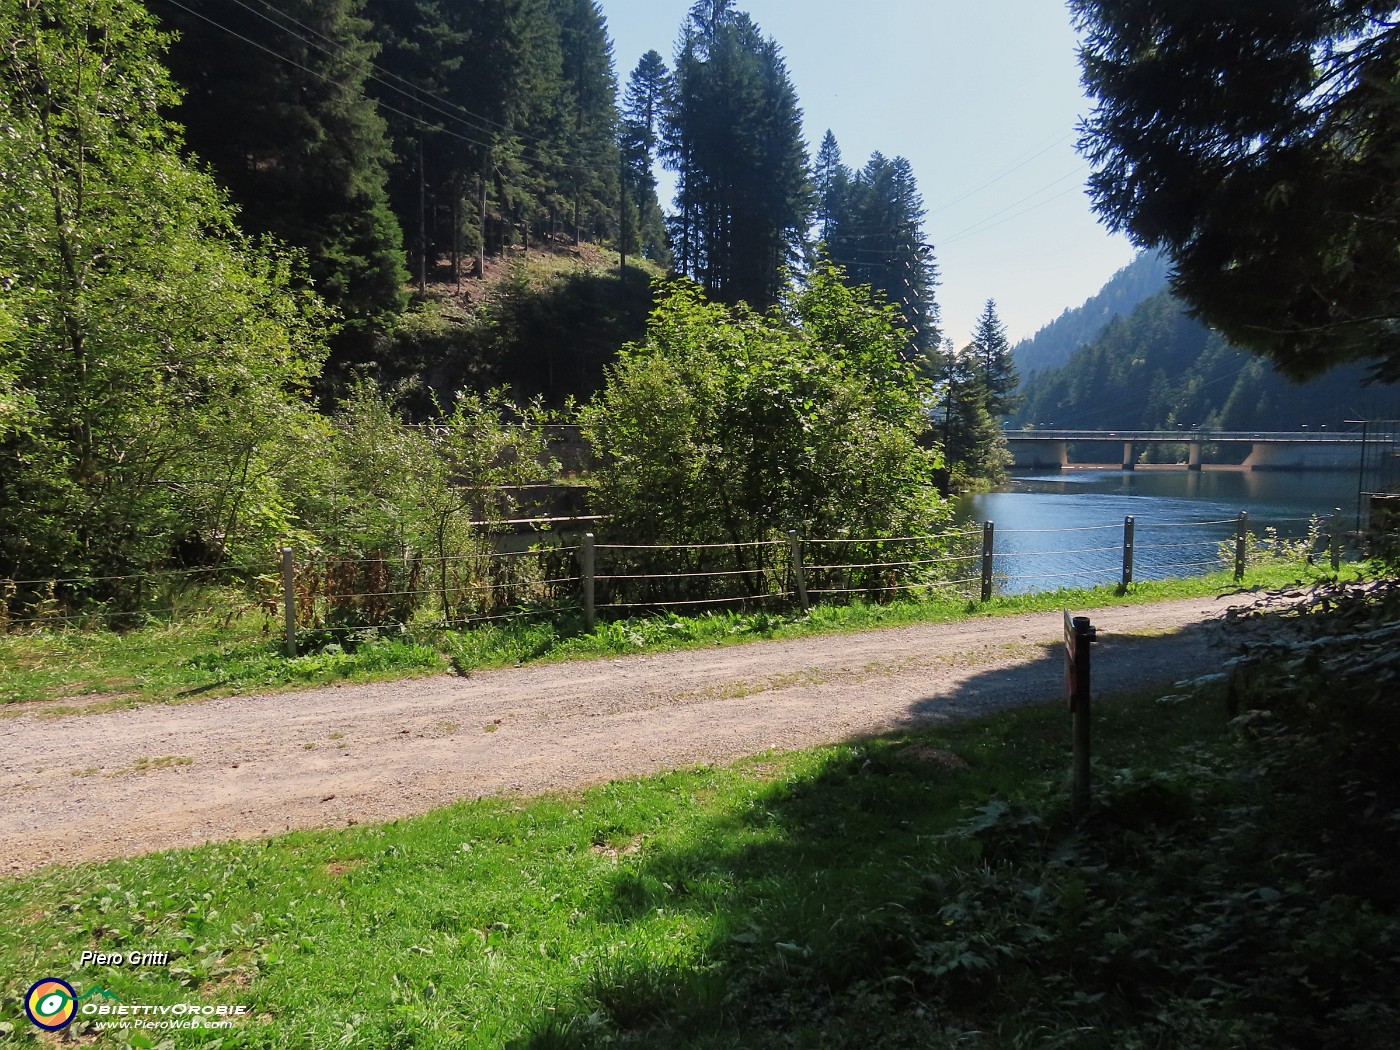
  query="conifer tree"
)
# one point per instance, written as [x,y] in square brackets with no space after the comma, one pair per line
[831,181]
[275,102]
[647,96]
[995,369]
[432,67]
[733,134]
[876,234]
[974,447]
[1259,145]
[587,177]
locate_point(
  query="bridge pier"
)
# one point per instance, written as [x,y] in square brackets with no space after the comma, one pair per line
[1037,454]
[1129,462]
[1193,456]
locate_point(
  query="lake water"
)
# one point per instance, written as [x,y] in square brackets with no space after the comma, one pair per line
[1065,528]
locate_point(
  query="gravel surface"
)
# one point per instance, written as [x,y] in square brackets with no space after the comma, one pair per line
[96,786]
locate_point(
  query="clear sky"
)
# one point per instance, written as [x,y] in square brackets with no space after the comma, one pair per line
[982,97]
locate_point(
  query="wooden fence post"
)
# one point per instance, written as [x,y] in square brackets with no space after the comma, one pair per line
[798,577]
[1127,551]
[590,618]
[289,600]
[988,539]
[1079,635]
[1241,533]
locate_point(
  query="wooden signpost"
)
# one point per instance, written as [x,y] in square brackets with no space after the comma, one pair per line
[1079,635]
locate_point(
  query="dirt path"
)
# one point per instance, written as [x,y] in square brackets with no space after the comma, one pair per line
[91,787]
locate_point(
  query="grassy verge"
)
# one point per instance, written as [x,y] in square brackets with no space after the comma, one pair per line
[705,907]
[218,654]
[1234,885]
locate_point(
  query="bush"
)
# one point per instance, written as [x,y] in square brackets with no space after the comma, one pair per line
[726,426]
[387,525]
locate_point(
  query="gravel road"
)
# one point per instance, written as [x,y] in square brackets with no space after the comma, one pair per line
[96,786]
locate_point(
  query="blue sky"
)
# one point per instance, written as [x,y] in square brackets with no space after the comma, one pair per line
[982,97]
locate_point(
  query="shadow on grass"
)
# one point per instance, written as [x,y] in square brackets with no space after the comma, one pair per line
[818,890]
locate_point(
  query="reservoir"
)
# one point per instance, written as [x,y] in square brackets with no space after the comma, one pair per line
[1065,528]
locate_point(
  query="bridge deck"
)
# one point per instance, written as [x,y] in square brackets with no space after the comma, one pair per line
[1188,436]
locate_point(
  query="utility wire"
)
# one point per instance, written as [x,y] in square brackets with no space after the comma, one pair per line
[1016,166]
[528,154]
[986,224]
[415,92]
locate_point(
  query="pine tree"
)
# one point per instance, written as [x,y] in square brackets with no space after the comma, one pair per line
[507,121]
[831,181]
[429,68]
[588,173]
[876,235]
[1259,145]
[995,368]
[648,94]
[974,446]
[275,102]
[733,135]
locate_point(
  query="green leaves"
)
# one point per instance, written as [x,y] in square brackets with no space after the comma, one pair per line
[153,354]
[725,425]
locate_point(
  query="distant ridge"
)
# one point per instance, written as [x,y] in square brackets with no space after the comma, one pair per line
[1052,346]
[1157,368]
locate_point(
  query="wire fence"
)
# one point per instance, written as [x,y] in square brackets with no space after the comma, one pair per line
[319,594]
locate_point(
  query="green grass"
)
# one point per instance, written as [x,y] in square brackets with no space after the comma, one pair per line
[707,907]
[213,654]
[1232,886]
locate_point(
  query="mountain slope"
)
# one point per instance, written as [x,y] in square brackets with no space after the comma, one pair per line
[1052,345]
[1158,367]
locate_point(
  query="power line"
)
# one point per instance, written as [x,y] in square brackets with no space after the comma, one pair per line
[1015,166]
[416,92]
[985,223]
[529,154]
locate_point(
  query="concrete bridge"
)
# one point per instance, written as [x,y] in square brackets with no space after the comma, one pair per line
[1285,450]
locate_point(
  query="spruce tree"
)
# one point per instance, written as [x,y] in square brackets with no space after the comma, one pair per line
[274,101]
[733,134]
[586,176]
[1259,145]
[974,447]
[831,181]
[876,234]
[430,68]
[995,369]
[647,96]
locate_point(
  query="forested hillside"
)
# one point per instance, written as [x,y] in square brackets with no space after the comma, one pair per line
[1053,344]
[404,145]
[252,247]
[1157,367]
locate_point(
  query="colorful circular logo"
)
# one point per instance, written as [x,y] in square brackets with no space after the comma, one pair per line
[51,1003]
